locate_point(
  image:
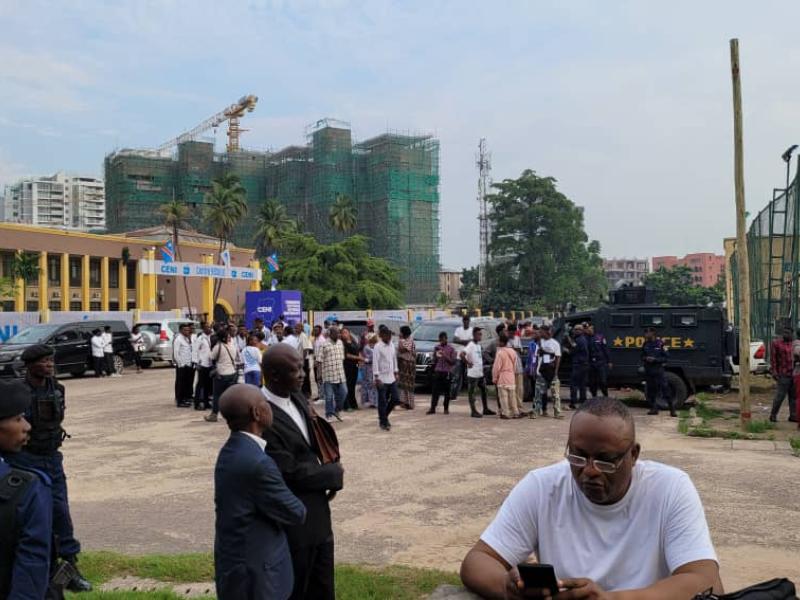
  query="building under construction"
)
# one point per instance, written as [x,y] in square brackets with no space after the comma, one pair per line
[392,178]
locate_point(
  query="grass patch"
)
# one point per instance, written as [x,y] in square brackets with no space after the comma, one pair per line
[794,443]
[704,411]
[759,426]
[353,582]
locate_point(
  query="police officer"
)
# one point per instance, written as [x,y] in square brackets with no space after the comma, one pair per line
[654,356]
[45,414]
[26,506]
[580,367]
[599,362]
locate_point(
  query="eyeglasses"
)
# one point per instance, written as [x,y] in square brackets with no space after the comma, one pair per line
[604,466]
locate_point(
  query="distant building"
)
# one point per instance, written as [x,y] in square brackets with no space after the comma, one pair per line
[450,283]
[63,201]
[707,267]
[625,271]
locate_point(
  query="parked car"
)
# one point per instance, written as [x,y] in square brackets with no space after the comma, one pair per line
[71,342]
[158,337]
[359,326]
[758,362]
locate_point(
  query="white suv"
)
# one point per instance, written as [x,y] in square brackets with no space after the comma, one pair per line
[158,336]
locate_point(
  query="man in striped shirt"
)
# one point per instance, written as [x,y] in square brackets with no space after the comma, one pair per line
[333,379]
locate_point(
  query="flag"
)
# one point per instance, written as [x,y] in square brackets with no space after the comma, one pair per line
[168,252]
[226,257]
[272,263]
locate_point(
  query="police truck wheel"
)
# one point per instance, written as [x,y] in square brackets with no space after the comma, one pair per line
[119,364]
[677,387]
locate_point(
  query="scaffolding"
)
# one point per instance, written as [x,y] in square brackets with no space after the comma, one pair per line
[773,246]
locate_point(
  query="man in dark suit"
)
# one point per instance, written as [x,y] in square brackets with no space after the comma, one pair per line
[291,442]
[253,505]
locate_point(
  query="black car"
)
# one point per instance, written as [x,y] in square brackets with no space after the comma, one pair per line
[426,338]
[71,342]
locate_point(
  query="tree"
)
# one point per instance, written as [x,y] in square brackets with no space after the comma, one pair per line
[442,300]
[338,276]
[676,286]
[273,225]
[175,214]
[343,215]
[24,267]
[469,284]
[225,207]
[541,255]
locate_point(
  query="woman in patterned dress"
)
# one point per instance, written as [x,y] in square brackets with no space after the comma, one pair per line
[407,365]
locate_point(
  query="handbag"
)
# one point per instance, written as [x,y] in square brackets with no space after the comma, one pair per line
[774,589]
[327,441]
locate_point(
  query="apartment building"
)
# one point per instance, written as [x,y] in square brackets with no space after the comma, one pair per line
[625,271]
[707,267]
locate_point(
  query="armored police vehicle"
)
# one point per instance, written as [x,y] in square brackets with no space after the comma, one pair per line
[698,340]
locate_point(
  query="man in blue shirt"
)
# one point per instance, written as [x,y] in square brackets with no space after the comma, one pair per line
[599,362]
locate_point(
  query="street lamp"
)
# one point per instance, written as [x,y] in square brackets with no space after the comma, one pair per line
[787,157]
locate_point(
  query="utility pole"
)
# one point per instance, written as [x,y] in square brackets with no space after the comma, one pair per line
[484,164]
[742,258]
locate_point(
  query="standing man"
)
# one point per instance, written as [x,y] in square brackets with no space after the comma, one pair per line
[204,390]
[46,414]
[580,368]
[599,362]
[98,356]
[252,505]
[503,375]
[108,352]
[306,350]
[781,363]
[241,337]
[549,364]
[444,357]
[654,356]
[184,357]
[384,365]
[473,356]
[293,445]
[367,333]
[532,372]
[333,377]
[26,506]
[463,333]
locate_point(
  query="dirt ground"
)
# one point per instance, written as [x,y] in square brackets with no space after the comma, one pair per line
[141,479]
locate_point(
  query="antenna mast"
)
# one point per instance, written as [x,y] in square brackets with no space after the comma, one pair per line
[484,164]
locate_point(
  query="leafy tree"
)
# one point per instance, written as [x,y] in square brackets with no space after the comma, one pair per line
[25,268]
[175,215]
[469,284]
[273,224]
[676,286]
[442,300]
[343,215]
[541,255]
[225,207]
[338,276]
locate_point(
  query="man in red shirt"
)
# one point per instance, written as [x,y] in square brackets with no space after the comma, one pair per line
[781,368]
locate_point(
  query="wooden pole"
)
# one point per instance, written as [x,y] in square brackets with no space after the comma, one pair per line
[742,258]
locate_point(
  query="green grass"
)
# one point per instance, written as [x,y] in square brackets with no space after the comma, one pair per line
[353,582]
[705,412]
[759,426]
[794,443]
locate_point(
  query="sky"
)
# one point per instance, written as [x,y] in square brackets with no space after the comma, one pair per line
[627,104]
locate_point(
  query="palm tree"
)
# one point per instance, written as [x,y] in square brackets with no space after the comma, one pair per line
[225,206]
[25,266]
[343,214]
[175,214]
[273,223]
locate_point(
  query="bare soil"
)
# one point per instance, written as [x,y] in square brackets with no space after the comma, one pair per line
[141,479]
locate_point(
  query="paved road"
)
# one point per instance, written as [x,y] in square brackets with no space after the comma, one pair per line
[140,475]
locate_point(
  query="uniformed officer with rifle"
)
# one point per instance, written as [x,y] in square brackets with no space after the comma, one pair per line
[654,356]
[42,453]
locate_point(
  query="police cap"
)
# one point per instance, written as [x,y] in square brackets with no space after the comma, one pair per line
[15,398]
[37,352]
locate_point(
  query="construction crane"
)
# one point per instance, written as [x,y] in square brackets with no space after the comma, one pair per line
[232,114]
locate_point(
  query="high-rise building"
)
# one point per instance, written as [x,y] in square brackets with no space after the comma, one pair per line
[707,268]
[392,179]
[63,201]
[625,271]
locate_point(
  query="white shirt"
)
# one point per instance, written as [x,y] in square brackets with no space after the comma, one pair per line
[384,362]
[462,334]
[137,341]
[252,359]
[262,443]
[292,341]
[474,356]
[241,342]
[98,343]
[657,527]
[203,347]
[108,339]
[289,407]
[182,351]
[550,346]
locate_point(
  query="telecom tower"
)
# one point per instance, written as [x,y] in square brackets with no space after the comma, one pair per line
[484,163]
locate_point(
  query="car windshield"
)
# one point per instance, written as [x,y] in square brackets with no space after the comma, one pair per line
[429,332]
[151,327]
[33,335]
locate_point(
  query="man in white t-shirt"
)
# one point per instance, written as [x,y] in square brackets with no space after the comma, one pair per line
[611,525]
[463,333]
[549,363]
[472,355]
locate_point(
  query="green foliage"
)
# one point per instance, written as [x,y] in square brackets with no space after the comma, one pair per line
[343,215]
[273,224]
[676,286]
[25,266]
[442,300]
[542,255]
[225,206]
[469,284]
[338,276]
[175,213]
[794,444]
[759,426]
[6,287]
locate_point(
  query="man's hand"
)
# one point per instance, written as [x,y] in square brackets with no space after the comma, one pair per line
[515,588]
[572,589]
[378,383]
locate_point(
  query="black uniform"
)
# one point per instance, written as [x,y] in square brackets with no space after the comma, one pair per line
[580,371]
[654,372]
[598,365]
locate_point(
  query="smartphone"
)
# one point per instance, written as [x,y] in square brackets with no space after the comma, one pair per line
[539,576]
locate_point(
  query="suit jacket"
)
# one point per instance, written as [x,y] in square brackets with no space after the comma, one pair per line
[308,479]
[253,505]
